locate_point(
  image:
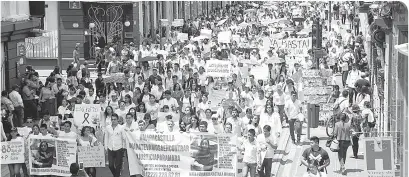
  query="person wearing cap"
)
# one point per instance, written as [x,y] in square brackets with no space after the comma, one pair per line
[316,159]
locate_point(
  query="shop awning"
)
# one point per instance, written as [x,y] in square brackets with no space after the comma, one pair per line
[402,48]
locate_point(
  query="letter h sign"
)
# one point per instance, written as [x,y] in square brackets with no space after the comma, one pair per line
[379,156]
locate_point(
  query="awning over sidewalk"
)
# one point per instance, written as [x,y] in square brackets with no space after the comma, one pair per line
[402,48]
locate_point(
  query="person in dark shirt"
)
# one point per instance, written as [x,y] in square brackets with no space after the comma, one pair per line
[154,76]
[315,158]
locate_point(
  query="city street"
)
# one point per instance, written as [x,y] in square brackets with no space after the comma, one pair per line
[292,161]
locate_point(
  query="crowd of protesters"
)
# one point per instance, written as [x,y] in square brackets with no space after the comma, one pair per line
[134,86]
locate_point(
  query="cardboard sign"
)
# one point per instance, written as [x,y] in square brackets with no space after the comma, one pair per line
[206,33]
[12,152]
[218,68]
[183,37]
[87,115]
[224,37]
[177,22]
[91,156]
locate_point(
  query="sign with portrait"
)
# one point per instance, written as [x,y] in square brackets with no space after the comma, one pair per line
[51,156]
[175,154]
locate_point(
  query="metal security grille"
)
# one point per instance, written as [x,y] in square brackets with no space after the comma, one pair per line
[105,23]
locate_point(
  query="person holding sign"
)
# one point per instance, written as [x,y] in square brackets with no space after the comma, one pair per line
[88,139]
[15,168]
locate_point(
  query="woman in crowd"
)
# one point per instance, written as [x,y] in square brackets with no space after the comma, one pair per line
[14,169]
[87,138]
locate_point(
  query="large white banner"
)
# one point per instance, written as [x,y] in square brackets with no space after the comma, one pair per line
[293,46]
[12,152]
[218,68]
[51,156]
[181,155]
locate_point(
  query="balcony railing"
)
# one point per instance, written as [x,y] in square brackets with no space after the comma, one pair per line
[43,47]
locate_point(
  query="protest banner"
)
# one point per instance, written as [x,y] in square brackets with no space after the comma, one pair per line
[87,115]
[236,38]
[293,46]
[177,22]
[259,72]
[51,156]
[206,33]
[218,68]
[181,155]
[91,156]
[224,37]
[183,36]
[12,152]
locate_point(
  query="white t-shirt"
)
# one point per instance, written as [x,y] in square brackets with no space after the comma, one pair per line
[293,108]
[262,143]
[368,112]
[69,135]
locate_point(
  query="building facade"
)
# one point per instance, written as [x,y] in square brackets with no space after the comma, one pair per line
[16,26]
[93,24]
[388,27]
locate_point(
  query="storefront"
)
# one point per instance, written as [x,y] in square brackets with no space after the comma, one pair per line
[15,28]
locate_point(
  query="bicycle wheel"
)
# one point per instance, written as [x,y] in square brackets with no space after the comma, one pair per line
[329,127]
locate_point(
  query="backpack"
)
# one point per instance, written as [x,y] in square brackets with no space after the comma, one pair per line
[337,107]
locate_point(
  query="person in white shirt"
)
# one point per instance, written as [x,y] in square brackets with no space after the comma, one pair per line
[169,101]
[271,118]
[342,103]
[130,125]
[114,144]
[267,143]
[44,129]
[259,103]
[292,110]
[17,101]
[353,76]
[67,133]
[249,151]
[237,124]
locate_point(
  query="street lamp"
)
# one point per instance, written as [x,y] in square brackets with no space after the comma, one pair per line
[92,25]
[127,23]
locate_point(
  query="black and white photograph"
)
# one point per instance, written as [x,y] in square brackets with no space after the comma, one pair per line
[308,88]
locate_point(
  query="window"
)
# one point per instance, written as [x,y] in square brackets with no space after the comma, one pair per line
[15,10]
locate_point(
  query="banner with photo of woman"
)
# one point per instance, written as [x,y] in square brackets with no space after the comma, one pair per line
[51,156]
[181,155]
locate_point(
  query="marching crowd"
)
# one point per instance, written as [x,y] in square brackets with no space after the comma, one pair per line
[170,92]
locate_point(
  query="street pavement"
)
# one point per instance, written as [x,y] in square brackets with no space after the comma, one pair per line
[291,166]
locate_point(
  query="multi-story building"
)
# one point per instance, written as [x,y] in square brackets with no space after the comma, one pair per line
[16,25]
[388,28]
[91,24]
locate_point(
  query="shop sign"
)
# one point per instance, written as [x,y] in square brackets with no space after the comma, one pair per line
[21,49]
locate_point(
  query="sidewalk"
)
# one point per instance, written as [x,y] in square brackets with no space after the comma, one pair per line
[292,168]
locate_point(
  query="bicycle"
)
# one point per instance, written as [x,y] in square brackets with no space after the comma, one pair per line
[329,125]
